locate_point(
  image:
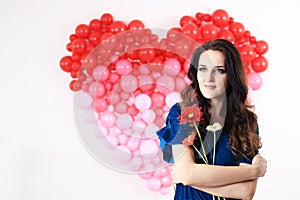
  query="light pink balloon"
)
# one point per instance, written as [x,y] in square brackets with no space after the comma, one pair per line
[164,190]
[166,181]
[112,141]
[145,175]
[150,130]
[133,143]
[149,116]
[148,148]
[180,84]
[123,66]
[121,107]
[142,102]
[129,83]
[107,119]
[146,82]
[144,69]
[172,67]
[123,139]
[100,73]
[123,154]
[153,184]
[135,164]
[165,84]
[255,81]
[83,100]
[124,121]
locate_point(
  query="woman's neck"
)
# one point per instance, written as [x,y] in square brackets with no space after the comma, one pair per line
[218,110]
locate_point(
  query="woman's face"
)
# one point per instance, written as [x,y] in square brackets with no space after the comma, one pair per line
[211,75]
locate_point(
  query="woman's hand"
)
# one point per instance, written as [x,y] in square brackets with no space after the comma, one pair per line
[261,164]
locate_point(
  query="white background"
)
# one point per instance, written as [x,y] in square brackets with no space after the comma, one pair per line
[41,156]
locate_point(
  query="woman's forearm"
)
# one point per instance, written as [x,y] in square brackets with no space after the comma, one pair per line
[243,190]
[190,173]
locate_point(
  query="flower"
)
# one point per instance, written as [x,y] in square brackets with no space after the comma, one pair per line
[189,140]
[191,114]
[215,127]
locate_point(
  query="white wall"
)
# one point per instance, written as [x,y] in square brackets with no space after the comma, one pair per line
[41,156]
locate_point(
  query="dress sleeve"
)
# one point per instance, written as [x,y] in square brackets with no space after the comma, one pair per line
[173,133]
[249,160]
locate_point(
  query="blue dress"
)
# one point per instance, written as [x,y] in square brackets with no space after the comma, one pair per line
[173,133]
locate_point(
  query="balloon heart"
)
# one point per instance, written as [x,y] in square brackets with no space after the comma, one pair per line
[126,78]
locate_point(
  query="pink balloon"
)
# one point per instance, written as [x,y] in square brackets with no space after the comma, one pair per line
[96,89]
[180,84]
[154,184]
[100,73]
[149,116]
[158,98]
[129,83]
[100,105]
[172,67]
[112,141]
[255,81]
[123,66]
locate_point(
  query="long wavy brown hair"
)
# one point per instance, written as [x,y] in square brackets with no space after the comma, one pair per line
[241,121]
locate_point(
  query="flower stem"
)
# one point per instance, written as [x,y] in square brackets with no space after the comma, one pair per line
[214,154]
[206,161]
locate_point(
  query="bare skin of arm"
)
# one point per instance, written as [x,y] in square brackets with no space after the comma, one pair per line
[226,181]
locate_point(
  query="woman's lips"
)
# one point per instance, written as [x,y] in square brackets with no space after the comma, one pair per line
[210,87]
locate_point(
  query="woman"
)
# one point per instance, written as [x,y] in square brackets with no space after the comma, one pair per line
[219,87]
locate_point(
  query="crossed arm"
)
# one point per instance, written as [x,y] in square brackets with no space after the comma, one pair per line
[226,181]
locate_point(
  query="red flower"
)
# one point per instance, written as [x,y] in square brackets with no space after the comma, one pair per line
[191,114]
[189,140]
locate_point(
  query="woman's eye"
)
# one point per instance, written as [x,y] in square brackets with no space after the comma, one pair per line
[220,71]
[202,69]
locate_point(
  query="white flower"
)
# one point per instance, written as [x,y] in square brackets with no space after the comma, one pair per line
[215,127]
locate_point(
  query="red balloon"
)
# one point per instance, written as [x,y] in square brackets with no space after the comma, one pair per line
[237,29]
[136,25]
[220,18]
[66,63]
[117,27]
[108,41]
[95,38]
[226,35]
[209,32]
[247,52]
[259,64]
[261,47]
[107,19]
[191,30]
[173,34]
[78,46]
[186,20]
[75,85]
[146,53]
[95,24]
[82,31]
